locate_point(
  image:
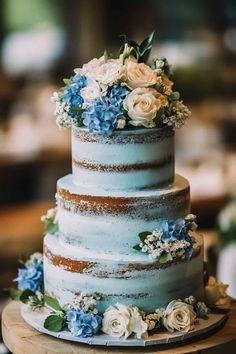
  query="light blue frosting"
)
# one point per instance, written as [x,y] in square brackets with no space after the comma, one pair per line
[102,153]
[118,233]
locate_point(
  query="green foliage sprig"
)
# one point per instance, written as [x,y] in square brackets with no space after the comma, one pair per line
[140,51]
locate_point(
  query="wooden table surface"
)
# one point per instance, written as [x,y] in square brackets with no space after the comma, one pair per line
[20,338]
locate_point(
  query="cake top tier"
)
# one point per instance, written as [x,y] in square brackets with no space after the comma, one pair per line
[116,92]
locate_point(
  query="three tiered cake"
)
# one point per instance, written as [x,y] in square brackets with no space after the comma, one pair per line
[121,251]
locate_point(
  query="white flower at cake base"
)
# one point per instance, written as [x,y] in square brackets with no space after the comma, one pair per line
[139,75]
[215,293]
[153,320]
[178,316]
[92,91]
[137,325]
[122,321]
[142,105]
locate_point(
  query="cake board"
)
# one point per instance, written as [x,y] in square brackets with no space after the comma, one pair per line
[22,338]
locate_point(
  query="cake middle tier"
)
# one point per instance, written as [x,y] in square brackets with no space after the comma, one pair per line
[110,223]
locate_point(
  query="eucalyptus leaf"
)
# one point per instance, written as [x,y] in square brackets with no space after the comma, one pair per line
[24,297]
[143,235]
[54,323]
[137,247]
[52,303]
[164,258]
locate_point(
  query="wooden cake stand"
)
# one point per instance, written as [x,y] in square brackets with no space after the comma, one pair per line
[20,338]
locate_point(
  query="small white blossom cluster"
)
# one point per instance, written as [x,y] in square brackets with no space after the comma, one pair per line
[51,214]
[36,257]
[180,114]
[86,302]
[36,302]
[153,319]
[63,119]
[190,300]
[159,66]
[155,246]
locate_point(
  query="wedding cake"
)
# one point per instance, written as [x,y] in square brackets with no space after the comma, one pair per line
[121,251]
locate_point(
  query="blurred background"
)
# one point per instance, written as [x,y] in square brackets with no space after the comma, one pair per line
[42,41]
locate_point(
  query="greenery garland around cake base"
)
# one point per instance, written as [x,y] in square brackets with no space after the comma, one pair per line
[82,318]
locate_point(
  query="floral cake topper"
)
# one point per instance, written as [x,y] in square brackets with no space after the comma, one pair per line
[117,92]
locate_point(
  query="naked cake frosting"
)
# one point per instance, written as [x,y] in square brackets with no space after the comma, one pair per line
[121,250]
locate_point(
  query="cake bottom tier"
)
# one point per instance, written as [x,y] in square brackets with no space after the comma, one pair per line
[138,282]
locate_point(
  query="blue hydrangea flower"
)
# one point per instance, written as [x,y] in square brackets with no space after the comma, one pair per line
[82,324]
[30,277]
[173,230]
[102,114]
[72,94]
[176,230]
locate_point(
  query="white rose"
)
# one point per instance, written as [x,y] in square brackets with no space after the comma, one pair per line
[91,67]
[92,91]
[178,316]
[137,325]
[139,75]
[215,293]
[122,321]
[116,321]
[142,105]
[109,72]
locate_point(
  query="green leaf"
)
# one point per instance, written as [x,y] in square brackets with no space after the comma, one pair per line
[134,45]
[54,323]
[137,247]
[145,48]
[143,235]
[50,227]
[175,96]
[14,293]
[164,258]
[67,81]
[52,302]
[147,43]
[77,110]
[24,297]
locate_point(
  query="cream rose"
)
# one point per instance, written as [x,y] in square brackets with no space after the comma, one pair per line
[121,321]
[215,293]
[92,91]
[178,316]
[142,105]
[139,75]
